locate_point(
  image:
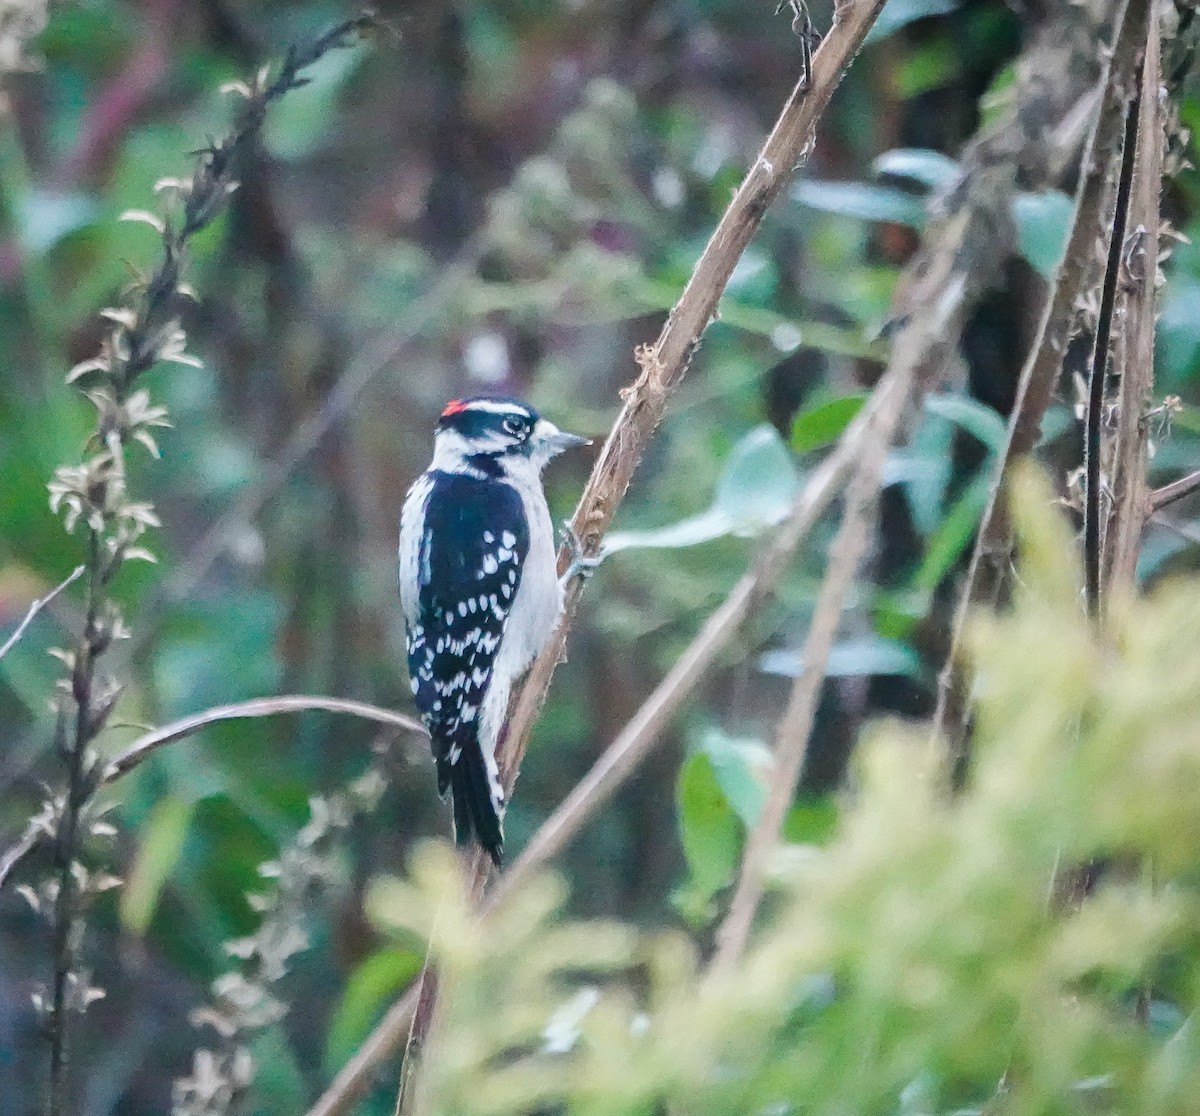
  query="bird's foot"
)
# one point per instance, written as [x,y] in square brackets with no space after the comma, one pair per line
[581,565]
[803,29]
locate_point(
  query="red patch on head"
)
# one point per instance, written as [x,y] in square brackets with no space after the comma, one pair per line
[453,408]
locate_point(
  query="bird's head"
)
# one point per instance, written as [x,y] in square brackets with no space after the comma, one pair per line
[496,429]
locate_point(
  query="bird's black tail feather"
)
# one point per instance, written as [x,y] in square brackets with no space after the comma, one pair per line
[474,812]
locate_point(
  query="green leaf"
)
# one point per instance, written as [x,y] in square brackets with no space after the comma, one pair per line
[709,525]
[1043,223]
[977,419]
[863,200]
[823,423]
[853,658]
[900,13]
[754,491]
[812,820]
[929,168]
[759,480]
[301,120]
[955,531]
[711,835]
[373,984]
[742,766]
[162,836]
[44,218]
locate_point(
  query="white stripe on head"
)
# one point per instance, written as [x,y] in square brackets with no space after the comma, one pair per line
[498,407]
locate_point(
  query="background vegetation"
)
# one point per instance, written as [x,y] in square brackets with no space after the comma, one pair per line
[508,196]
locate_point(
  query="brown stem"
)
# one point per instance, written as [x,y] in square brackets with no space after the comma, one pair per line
[794,729]
[1135,354]
[1097,383]
[938,297]
[151,741]
[987,571]
[1170,493]
[66,837]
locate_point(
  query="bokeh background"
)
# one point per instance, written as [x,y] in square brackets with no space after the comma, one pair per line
[504,198]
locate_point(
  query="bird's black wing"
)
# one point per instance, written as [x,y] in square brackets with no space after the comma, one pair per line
[472,550]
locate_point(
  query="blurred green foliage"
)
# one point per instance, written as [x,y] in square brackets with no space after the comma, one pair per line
[509,198]
[928,958]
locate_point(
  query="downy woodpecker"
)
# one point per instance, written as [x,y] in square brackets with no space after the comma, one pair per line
[480,591]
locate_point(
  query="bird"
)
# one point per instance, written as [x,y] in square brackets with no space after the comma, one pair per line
[480,591]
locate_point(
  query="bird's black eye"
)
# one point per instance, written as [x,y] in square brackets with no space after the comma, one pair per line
[514,425]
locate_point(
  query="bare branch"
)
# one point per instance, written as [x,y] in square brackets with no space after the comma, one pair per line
[151,741]
[990,558]
[1170,493]
[1093,533]
[1134,369]
[938,296]
[664,364]
[639,737]
[141,748]
[37,607]
[792,738]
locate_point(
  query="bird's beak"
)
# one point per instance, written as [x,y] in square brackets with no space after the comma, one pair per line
[553,441]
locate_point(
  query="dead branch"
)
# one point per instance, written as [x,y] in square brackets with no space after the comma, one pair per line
[918,356]
[988,569]
[1169,493]
[1093,516]
[1139,273]
[664,364]
[792,737]
[37,831]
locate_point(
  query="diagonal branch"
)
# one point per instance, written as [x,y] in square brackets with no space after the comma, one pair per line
[1170,493]
[37,607]
[665,363]
[845,554]
[125,761]
[918,357]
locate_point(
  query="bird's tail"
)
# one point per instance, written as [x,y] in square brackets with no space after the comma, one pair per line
[475,812]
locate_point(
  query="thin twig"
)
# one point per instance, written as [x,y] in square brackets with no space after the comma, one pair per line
[1093,497]
[141,748]
[37,607]
[916,356]
[1170,493]
[791,743]
[666,362]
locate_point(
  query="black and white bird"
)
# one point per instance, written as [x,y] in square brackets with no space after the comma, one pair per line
[480,591]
